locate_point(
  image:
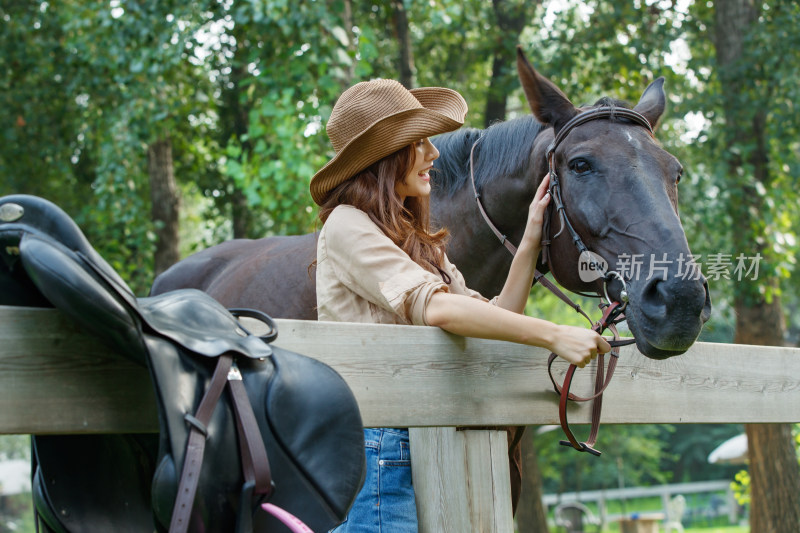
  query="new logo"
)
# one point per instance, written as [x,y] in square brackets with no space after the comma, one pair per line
[591,266]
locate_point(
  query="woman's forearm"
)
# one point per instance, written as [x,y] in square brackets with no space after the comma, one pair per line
[517,287]
[518,284]
[471,317]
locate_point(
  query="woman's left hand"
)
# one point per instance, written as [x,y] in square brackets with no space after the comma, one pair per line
[536,211]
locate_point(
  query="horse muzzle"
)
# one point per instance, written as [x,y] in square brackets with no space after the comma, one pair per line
[667,315]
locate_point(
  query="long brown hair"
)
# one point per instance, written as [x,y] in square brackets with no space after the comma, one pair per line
[407,223]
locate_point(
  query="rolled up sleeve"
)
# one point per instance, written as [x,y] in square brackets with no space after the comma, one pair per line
[457,280]
[370,265]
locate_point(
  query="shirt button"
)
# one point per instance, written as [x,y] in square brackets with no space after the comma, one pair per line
[380,462]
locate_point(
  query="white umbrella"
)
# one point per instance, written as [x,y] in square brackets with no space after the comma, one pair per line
[733,451]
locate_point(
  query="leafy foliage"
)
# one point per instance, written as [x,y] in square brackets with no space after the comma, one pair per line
[631,456]
[14,447]
[298,67]
[103,81]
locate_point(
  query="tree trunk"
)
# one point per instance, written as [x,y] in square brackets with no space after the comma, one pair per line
[234,121]
[531,514]
[349,23]
[406,66]
[774,473]
[165,203]
[240,215]
[775,504]
[511,17]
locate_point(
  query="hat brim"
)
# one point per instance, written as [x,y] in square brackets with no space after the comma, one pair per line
[443,111]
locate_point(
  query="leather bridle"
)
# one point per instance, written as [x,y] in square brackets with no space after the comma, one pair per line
[612,309]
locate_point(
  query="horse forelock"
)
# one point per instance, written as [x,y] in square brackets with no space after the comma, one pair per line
[607,101]
[612,103]
[504,149]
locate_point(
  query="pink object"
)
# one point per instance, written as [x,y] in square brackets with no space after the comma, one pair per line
[291,521]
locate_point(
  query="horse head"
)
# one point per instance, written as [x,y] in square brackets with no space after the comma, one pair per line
[619,191]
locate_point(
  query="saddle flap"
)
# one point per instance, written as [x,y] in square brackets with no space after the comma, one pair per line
[62,278]
[320,430]
[307,416]
[199,323]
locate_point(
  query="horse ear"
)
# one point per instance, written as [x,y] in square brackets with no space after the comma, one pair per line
[548,103]
[653,102]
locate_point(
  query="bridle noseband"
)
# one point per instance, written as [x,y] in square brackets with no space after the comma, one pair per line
[612,310]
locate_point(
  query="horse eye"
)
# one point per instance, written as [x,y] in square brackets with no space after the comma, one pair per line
[680,175]
[580,166]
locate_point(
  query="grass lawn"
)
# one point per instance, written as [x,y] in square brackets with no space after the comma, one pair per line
[712,529]
[719,529]
[700,523]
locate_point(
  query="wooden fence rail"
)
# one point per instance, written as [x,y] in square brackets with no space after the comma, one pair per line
[55,379]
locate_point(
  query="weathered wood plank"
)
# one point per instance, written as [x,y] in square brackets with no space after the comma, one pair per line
[440,379]
[461,480]
[489,480]
[53,379]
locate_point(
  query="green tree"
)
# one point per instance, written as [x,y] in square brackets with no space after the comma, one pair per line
[35,155]
[285,68]
[631,456]
[15,447]
[774,476]
[109,84]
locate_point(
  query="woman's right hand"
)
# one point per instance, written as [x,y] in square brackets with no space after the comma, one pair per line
[578,346]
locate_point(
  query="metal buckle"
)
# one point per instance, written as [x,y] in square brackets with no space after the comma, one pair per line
[584,447]
[623,294]
[234,374]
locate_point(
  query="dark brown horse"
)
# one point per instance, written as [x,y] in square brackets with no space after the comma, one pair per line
[618,186]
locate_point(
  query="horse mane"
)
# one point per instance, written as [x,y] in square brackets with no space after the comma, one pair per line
[508,143]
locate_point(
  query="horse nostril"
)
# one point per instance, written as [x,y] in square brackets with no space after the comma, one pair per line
[653,300]
[706,313]
[661,299]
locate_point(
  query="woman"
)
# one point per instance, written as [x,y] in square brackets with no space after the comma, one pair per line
[378,261]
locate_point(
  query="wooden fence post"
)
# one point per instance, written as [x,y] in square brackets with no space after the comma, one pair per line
[461,480]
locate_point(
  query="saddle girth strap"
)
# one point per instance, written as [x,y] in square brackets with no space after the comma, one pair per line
[255,465]
[195,447]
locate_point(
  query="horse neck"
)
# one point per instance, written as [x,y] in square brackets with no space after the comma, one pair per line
[474,248]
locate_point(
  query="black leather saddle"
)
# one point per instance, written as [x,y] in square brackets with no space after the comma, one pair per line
[242,422]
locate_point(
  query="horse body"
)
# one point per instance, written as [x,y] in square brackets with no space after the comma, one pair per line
[619,189]
[273,275]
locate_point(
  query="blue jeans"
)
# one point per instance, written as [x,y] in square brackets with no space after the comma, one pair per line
[386,501]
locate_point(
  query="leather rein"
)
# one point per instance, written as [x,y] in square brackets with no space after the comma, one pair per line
[612,309]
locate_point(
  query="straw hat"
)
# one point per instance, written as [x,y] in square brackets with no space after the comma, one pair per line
[376,118]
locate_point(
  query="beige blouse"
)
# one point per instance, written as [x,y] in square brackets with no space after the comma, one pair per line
[362,276]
